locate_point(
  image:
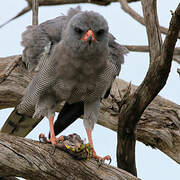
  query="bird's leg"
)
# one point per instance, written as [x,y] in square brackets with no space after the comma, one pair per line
[52,134]
[95,156]
[53,138]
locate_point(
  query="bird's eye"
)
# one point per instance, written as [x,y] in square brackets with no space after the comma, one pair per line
[78,30]
[100,32]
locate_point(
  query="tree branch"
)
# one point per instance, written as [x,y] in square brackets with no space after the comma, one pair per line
[61,2]
[146,49]
[35,6]
[125,6]
[136,48]
[158,127]
[34,160]
[154,81]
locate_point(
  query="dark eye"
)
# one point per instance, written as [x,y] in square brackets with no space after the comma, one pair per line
[78,30]
[100,32]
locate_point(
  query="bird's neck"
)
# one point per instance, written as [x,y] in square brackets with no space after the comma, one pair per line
[87,59]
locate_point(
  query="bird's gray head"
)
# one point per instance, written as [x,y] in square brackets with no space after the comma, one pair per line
[87,32]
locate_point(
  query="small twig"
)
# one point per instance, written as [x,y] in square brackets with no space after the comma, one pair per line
[136,48]
[9,69]
[146,49]
[35,6]
[22,12]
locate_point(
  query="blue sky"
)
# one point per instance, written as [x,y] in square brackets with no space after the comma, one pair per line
[151,164]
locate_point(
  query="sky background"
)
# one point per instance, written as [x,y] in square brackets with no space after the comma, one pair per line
[151,164]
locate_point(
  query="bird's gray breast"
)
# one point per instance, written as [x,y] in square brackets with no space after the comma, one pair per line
[82,79]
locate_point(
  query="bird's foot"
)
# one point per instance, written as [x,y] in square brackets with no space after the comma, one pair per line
[52,140]
[100,159]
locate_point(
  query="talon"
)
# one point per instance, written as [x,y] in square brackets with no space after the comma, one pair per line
[100,163]
[110,160]
[54,149]
[102,160]
[42,138]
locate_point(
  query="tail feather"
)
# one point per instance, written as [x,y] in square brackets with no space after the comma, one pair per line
[19,125]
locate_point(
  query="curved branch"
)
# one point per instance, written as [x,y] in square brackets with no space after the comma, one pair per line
[125,6]
[158,127]
[39,163]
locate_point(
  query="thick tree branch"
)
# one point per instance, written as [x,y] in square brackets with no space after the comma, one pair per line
[158,127]
[152,28]
[125,6]
[34,160]
[154,81]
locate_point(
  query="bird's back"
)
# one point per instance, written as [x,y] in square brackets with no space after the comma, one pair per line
[40,40]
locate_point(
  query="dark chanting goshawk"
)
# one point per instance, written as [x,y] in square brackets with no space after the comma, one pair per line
[76,60]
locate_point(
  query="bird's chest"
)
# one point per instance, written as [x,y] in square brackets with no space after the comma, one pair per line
[81,83]
[88,87]
[81,79]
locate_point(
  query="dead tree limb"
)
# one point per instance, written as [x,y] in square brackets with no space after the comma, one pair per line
[35,6]
[135,48]
[60,2]
[158,127]
[125,6]
[34,160]
[161,58]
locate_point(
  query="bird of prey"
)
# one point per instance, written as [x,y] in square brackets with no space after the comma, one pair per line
[76,60]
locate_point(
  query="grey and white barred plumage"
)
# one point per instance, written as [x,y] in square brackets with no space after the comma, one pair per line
[46,90]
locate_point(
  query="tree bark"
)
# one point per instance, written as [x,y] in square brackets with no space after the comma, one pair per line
[34,160]
[35,6]
[158,127]
[160,64]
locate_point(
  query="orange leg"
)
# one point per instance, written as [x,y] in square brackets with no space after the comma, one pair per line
[53,138]
[89,134]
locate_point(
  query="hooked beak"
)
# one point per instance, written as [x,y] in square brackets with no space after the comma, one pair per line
[89,37]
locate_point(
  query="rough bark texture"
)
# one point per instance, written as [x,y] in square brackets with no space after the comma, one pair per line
[34,160]
[158,127]
[154,81]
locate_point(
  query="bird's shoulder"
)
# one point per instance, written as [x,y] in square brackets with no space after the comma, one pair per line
[39,40]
